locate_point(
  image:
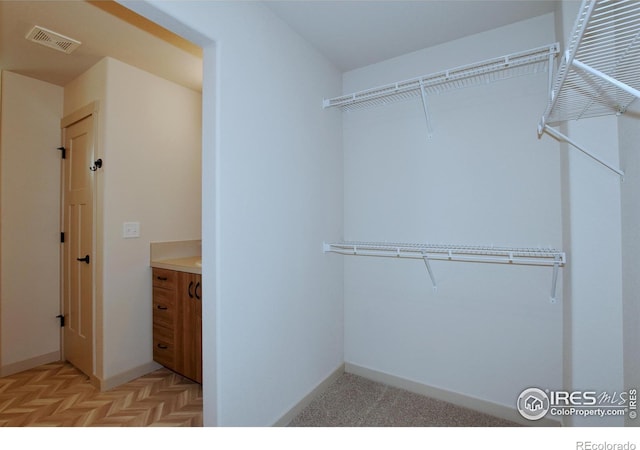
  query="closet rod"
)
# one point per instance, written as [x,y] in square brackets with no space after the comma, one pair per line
[607,78]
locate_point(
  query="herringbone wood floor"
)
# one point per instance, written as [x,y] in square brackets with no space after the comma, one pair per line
[58,394]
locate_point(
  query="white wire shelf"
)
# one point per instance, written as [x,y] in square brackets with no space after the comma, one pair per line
[522,63]
[445,252]
[599,73]
[527,256]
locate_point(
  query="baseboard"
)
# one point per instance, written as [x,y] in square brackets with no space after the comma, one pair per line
[30,363]
[125,377]
[319,389]
[476,404]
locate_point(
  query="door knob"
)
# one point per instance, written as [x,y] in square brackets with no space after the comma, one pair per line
[85,259]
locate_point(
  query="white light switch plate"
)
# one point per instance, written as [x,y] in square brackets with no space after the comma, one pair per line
[131,230]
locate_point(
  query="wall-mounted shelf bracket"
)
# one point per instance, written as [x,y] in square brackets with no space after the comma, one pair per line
[433,280]
[556,134]
[426,110]
[554,281]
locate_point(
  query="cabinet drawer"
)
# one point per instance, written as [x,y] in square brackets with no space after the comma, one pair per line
[166,279]
[164,349]
[164,307]
[164,315]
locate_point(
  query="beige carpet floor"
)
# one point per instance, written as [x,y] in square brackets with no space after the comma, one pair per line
[353,401]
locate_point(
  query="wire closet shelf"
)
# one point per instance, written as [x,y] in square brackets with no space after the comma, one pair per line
[472,253]
[599,73]
[445,252]
[501,68]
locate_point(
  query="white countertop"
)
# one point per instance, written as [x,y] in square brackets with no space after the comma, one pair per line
[183,256]
[191,264]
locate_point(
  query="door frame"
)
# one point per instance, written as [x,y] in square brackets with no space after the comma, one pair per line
[91,109]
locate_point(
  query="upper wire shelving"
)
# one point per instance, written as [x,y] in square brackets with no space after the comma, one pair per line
[522,63]
[599,73]
[501,68]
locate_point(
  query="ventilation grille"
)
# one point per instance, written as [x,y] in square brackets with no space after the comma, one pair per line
[52,39]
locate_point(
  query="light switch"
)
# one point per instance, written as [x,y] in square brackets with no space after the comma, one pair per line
[131,230]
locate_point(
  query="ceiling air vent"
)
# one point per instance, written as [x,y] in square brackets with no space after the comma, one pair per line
[52,39]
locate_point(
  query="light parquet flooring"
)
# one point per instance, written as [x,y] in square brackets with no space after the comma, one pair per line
[59,395]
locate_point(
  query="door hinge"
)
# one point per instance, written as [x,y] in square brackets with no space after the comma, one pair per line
[64,152]
[62,237]
[61,317]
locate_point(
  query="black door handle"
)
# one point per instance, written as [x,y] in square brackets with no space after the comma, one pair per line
[195,291]
[85,259]
[190,286]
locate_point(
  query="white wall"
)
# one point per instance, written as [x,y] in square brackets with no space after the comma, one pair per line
[595,252]
[592,202]
[629,136]
[150,141]
[29,220]
[152,176]
[482,179]
[278,167]
[565,12]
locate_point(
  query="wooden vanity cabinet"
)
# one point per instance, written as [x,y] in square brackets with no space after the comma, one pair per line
[165,317]
[190,301]
[177,322]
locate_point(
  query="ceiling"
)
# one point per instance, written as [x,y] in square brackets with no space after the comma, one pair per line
[351,34]
[355,34]
[104,28]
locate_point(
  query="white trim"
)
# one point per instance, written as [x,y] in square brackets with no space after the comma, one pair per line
[315,392]
[30,363]
[78,115]
[465,401]
[125,377]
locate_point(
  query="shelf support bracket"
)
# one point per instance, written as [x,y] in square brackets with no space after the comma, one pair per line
[550,72]
[556,134]
[426,110]
[433,280]
[554,280]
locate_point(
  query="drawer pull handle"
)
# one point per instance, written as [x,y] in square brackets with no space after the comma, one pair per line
[163,278]
[162,307]
[163,346]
